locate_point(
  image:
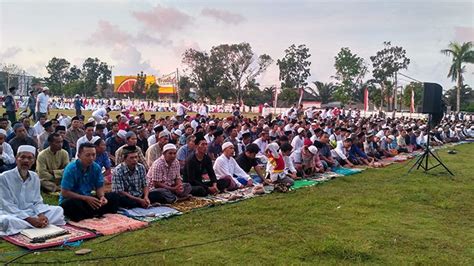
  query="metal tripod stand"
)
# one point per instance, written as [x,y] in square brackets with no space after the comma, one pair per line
[422,161]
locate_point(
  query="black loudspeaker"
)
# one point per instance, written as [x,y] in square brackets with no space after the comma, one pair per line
[432,98]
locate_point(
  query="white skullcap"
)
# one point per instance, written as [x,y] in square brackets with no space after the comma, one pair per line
[103,122]
[178,132]
[90,120]
[94,139]
[169,146]
[227,145]
[3,132]
[301,130]
[181,127]
[313,149]
[27,148]
[287,128]
[212,123]
[391,137]
[122,134]
[110,120]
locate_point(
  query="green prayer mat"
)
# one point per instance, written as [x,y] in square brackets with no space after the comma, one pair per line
[303,183]
[347,171]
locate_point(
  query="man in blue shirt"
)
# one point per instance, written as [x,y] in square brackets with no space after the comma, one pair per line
[78,104]
[80,178]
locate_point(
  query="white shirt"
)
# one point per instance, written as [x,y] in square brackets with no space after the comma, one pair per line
[42,103]
[266,111]
[208,138]
[19,199]
[151,140]
[100,113]
[181,109]
[38,128]
[224,166]
[203,110]
[340,151]
[289,165]
[7,154]
[261,144]
[194,124]
[81,140]
[297,143]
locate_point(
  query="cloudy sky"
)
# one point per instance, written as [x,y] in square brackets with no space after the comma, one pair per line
[152,35]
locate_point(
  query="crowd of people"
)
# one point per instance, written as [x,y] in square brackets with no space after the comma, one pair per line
[101,163]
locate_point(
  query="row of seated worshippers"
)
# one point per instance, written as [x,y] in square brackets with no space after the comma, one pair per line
[204,164]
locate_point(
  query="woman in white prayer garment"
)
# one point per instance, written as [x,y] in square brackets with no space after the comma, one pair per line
[21,204]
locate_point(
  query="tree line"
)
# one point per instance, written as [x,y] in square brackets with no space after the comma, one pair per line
[230,72]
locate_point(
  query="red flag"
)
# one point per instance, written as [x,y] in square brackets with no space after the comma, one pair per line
[412,104]
[366,100]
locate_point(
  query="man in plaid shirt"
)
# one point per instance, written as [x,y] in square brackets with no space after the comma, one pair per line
[129,181]
[164,177]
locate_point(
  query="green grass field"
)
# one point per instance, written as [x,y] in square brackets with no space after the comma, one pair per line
[381,216]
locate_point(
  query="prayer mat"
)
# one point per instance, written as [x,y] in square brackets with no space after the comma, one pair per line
[326,176]
[303,183]
[152,214]
[347,171]
[110,224]
[236,195]
[192,203]
[74,234]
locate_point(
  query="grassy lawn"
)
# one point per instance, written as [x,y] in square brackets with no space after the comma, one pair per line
[88,114]
[381,216]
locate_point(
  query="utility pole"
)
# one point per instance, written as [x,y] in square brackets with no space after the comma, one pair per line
[395,88]
[177,84]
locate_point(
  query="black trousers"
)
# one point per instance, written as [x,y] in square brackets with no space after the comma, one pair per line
[11,116]
[202,191]
[128,203]
[77,210]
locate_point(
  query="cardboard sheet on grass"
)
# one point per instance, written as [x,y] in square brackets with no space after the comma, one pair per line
[110,224]
[74,234]
[152,214]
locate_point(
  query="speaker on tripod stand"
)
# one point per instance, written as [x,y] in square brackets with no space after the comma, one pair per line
[433,105]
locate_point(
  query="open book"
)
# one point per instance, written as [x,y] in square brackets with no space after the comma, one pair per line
[42,234]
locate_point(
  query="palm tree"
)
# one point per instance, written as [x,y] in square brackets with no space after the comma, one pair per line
[324,91]
[461,54]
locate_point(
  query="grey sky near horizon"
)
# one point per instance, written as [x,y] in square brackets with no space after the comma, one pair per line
[152,35]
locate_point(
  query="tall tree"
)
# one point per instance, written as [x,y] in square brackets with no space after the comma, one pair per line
[57,69]
[461,54]
[73,74]
[185,86]
[386,63]
[204,70]
[324,91]
[467,96]
[350,69]
[90,73]
[105,74]
[240,64]
[294,67]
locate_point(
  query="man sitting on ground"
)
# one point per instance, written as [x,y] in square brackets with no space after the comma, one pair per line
[21,203]
[247,160]
[131,140]
[129,181]
[21,138]
[51,163]
[164,177]
[199,173]
[186,150]
[154,151]
[226,167]
[80,178]
[7,159]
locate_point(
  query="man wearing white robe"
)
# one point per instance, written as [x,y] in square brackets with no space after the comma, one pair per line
[21,204]
[226,166]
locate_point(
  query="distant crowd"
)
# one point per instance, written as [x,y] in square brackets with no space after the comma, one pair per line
[100,163]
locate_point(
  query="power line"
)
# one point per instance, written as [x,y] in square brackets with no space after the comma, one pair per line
[409,77]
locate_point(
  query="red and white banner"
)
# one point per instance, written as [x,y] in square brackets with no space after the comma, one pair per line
[412,102]
[366,100]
